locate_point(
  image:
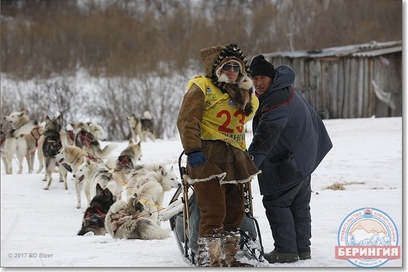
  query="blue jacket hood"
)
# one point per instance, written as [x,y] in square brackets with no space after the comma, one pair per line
[284,77]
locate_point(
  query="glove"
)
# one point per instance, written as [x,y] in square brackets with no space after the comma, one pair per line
[196,159]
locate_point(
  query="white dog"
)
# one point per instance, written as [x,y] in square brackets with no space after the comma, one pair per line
[98,132]
[150,182]
[22,140]
[167,178]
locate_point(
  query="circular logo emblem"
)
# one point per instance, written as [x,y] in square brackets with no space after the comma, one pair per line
[367,237]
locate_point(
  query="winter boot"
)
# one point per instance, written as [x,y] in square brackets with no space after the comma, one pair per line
[279,257]
[230,249]
[209,251]
[304,255]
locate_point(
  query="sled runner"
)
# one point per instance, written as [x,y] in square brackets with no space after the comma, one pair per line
[184,224]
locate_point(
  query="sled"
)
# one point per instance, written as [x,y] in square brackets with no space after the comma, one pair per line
[250,247]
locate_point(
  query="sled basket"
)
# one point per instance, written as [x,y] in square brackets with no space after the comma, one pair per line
[250,245]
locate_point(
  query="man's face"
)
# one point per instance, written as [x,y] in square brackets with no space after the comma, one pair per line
[261,83]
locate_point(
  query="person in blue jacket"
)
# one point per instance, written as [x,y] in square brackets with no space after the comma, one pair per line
[289,142]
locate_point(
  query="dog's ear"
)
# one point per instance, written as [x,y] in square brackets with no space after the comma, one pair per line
[98,188]
[130,141]
[73,125]
[162,170]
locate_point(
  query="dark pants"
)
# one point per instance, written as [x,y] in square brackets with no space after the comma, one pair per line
[288,213]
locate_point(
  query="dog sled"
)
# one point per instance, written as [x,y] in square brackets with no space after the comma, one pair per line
[184,224]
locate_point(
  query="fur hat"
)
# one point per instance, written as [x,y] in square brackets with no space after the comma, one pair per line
[240,91]
[261,67]
[209,56]
[216,56]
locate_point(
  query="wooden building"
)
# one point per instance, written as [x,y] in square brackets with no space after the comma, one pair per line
[354,81]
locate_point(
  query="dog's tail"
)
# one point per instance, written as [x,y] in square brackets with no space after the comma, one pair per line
[102,153]
[147,115]
[148,230]
[173,208]
[23,130]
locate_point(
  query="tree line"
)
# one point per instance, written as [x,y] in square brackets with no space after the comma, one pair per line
[152,39]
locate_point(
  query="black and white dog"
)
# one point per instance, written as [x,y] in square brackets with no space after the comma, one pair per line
[141,127]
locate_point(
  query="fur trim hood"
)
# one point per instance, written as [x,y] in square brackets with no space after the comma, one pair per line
[241,91]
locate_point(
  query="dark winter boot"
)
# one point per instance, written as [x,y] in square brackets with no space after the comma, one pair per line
[304,255]
[230,249]
[279,257]
[209,251]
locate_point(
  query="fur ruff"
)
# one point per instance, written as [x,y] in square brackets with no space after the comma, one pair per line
[241,91]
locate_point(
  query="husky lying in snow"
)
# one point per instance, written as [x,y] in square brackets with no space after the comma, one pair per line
[126,220]
[94,217]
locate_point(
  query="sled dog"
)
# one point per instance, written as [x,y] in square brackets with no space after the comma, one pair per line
[50,148]
[71,156]
[85,140]
[98,132]
[141,127]
[150,182]
[94,217]
[89,174]
[126,220]
[22,140]
[142,174]
[40,154]
[124,163]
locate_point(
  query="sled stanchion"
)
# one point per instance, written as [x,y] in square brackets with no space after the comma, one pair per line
[249,214]
[186,215]
[186,208]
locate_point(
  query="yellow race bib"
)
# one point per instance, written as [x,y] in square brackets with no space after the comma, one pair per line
[222,119]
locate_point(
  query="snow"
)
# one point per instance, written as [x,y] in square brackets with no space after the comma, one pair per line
[39,228]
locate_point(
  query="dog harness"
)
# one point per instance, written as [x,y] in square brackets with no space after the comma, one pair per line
[91,215]
[85,138]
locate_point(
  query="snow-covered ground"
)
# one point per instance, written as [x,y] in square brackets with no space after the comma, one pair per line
[39,228]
